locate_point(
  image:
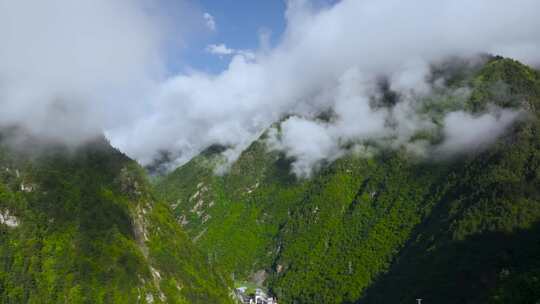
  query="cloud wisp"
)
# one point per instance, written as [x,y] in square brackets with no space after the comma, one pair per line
[210,21]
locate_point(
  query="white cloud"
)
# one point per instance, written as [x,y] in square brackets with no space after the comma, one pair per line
[310,142]
[466,132]
[68,69]
[210,21]
[219,49]
[330,58]
[99,65]
[222,50]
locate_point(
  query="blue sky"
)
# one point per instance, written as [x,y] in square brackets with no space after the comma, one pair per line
[237,25]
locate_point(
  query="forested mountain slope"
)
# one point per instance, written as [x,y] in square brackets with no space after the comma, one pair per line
[389,227]
[81,225]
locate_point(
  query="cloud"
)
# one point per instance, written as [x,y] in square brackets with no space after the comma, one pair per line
[467,132]
[222,50]
[210,22]
[100,65]
[219,49]
[309,142]
[66,67]
[330,59]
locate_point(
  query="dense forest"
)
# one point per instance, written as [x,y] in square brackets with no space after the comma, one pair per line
[82,225]
[86,224]
[390,226]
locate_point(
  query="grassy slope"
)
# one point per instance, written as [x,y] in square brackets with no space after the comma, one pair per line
[81,237]
[385,229]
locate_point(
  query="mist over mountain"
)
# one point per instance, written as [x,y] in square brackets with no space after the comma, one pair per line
[313,151]
[380,224]
[330,58]
[103,67]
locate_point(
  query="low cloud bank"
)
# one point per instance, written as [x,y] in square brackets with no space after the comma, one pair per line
[101,66]
[329,59]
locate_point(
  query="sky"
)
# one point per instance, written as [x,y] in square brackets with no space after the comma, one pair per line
[177,76]
[239,24]
[236,23]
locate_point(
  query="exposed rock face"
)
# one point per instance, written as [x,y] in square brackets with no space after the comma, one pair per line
[259,277]
[9,220]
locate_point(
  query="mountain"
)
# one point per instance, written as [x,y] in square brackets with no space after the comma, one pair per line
[86,225]
[390,227]
[82,225]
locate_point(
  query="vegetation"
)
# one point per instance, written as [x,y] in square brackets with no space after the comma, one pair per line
[90,231]
[389,228]
[84,225]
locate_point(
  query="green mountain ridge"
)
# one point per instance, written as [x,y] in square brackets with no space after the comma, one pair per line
[390,228]
[86,227]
